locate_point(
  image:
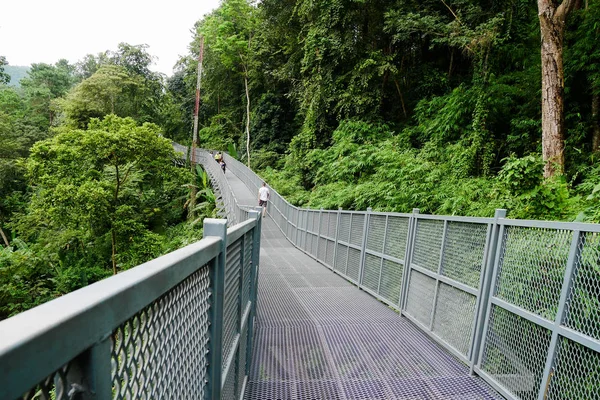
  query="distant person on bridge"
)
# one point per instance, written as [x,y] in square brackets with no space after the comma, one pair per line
[218,157]
[263,197]
[222,164]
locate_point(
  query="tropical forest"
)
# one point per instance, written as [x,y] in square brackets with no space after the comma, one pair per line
[455,107]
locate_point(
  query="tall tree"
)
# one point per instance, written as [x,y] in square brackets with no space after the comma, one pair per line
[43,85]
[229,32]
[104,185]
[552,18]
[111,90]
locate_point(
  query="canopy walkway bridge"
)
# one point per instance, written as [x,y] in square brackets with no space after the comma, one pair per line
[326,304]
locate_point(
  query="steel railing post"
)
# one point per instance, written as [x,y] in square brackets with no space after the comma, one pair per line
[89,375]
[218,228]
[410,243]
[335,239]
[568,279]
[385,231]
[363,247]
[439,273]
[486,287]
[319,234]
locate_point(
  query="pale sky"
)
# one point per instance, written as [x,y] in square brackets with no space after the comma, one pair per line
[34,31]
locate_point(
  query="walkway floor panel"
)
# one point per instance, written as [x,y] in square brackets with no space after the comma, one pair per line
[320,337]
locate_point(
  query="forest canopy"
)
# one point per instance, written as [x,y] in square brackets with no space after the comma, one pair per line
[454,107]
[404,104]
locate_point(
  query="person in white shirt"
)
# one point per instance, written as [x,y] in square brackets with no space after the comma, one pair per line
[263,197]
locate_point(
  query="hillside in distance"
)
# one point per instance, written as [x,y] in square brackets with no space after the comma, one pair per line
[16,72]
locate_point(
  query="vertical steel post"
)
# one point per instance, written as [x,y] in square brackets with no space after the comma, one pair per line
[349,240]
[570,273]
[484,262]
[89,375]
[335,239]
[387,218]
[487,291]
[410,242]
[319,234]
[218,228]
[363,247]
[439,273]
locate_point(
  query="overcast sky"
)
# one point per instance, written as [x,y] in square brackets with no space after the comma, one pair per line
[33,31]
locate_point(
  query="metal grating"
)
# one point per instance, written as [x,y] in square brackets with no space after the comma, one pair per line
[533,258]
[391,281]
[454,317]
[353,270]
[371,272]
[247,268]
[356,234]
[323,223]
[332,227]
[46,390]
[428,243]
[344,233]
[322,249]
[242,369]
[231,310]
[161,351]
[419,303]
[515,352]
[576,373]
[376,233]
[396,237]
[229,390]
[583,305]
[330,250]
[308,242]
[463,252]
[341,258]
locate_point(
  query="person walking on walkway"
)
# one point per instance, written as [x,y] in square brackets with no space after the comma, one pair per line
[263,197]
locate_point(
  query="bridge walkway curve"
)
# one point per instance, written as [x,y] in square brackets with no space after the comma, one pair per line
[320,337]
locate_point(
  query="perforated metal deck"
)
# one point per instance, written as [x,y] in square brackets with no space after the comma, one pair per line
[320,337]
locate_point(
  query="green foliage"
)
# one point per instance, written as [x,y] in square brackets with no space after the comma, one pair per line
[529,196]
[4,76]
[111,90]
[42,87]
[111,183]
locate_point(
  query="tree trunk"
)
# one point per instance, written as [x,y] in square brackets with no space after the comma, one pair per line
[247,115]
[595,122]
[113,241]
[112,228]
[552,28]
[4,237]
[401,98]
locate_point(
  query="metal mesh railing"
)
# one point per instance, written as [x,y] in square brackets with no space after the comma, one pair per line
[179,326]
[518,301]
[151,355]
[227,205]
